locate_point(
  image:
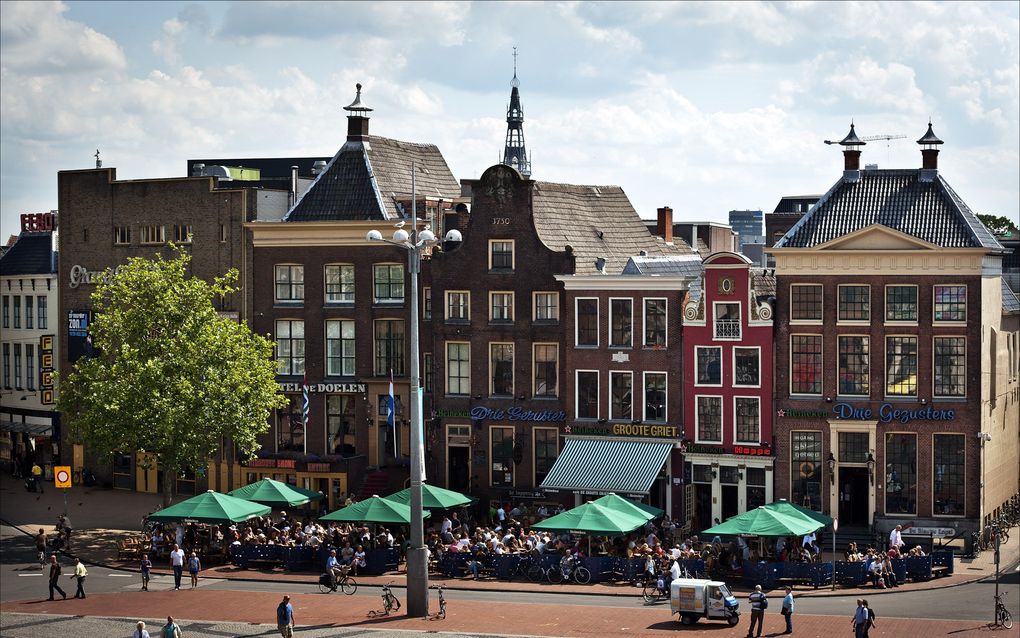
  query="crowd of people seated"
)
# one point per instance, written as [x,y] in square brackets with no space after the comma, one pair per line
[878,564]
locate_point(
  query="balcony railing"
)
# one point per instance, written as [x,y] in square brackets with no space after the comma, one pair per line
[727,328]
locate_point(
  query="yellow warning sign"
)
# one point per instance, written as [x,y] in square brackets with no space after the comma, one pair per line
[62,476]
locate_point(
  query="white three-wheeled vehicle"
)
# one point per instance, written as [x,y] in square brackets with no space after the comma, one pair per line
[696,598]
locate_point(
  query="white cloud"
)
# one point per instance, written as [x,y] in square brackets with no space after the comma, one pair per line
[870,85]
[35,37]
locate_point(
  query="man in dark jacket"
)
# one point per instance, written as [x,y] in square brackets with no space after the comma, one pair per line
[55,572]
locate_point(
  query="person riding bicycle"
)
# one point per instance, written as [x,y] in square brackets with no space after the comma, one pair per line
[567,563]
[335,569]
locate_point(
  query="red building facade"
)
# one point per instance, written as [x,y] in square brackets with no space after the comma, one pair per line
[727,379]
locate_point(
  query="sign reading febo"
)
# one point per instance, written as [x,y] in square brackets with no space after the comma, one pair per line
[62,476]
[46,369]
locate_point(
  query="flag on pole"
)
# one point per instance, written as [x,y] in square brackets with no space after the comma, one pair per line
[391,414]
[304,406]
[421,436]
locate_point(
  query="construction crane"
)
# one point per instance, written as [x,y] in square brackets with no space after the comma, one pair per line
[875,138]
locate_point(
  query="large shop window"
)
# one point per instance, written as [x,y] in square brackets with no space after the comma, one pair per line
[949,478]
[587,394]
[805,364]
[547,446]
[546,360]
[501,367]
[950,304]
[806,469]
[709,414]
[622,387]
[621,321]
[340,348]
[587,319]
[290,346]
[854,303]
[290,426]
[901,366]
[502,455]
[709,361]
[900,473]
[950,367]
[340,424]
[655,396]
[854,365]
[389,282]
[901,303]
[748,420]
[389,347]
[458,368]
[755,487]
[339,283]
[806,302]
[290,283]
[746,367]
[655,323]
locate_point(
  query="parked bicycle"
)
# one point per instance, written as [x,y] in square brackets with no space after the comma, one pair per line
[569,569]
[655,588]
[344,583]
[528,567]
[439,615]
[1002,616]
[390,603]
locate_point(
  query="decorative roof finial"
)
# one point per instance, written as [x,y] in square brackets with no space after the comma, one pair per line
[356,107]
[514,152]
[99,162]
[851,138]
[930,139]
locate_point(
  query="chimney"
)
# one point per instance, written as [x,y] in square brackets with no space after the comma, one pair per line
[852,155]
[357,121]
[930,151]
[664,227]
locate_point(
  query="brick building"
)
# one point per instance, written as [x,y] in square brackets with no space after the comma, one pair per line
[896,382]
[727,380]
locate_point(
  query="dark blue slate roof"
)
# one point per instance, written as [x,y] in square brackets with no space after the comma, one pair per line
[32,254]
[929,210]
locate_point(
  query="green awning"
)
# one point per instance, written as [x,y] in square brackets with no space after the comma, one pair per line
[606,466]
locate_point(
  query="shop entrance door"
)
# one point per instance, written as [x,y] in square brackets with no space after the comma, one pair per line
[458,466]
[853,496]
[729,501]
[703,506]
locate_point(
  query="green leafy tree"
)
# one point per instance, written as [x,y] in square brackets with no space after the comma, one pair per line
[998,224]
[172,378]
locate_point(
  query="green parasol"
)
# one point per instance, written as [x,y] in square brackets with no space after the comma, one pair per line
[763,521]
[275,494]
[593,518]
[433,497]
[211,507]
[627,506]
[374,510]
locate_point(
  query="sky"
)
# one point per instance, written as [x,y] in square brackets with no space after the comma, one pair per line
[704,107]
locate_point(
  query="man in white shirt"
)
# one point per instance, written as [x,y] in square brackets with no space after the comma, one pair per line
[896,538]
[674,571]
[177,563]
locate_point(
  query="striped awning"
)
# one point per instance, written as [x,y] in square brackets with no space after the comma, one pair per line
[603,466]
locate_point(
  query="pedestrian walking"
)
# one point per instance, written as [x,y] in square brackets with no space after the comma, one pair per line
[194,566]
[787,610]
[146,571]
[37,478]
[79,575]
[64,527]
[759,602]
[285,618]
[40,546]
[860,620]
[140,631]
[55,571]
[871,618]
[170,629]
[177,563]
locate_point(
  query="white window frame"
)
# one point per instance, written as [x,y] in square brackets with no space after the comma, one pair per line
[513,255]
[622,373]
[612,317]
[325,283]
[737,441]
[534,451]
[513,369]
[644,321]
[354,359]
[917,366]
[146,230]
[122,235]
[808,322]
[852,322]
[534,369]
[949,397]
[292,268]
[789,363]
[467,305]
[697,383]
[389,300]
[715,320]
[733,364]
[426,302]
[644,400]
[513,471]
[446,369]
[966,305]
[722,419]
[917,454]
[885,306]
[513,302]
[535,305]
[291,338]
[931,443]
[598,396]
[577,323]
[183,233]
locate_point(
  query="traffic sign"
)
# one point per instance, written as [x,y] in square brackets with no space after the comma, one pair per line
[62,476]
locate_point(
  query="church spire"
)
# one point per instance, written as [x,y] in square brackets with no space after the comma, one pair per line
[515,154]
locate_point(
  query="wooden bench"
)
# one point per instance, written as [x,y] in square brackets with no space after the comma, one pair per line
[939,570]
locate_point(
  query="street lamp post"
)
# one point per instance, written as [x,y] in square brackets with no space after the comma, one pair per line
[415,243]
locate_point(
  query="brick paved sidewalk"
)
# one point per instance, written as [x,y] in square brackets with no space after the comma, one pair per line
[468,617]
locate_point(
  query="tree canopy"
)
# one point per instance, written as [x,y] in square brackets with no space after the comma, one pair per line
[998,224]
[172,377]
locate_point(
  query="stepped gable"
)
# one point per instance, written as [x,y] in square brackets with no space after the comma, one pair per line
[900,199]
[595,222]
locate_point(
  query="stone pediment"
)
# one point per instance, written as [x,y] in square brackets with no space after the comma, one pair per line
[876,237]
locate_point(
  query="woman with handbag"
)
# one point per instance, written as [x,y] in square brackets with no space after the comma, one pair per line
[787,610]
